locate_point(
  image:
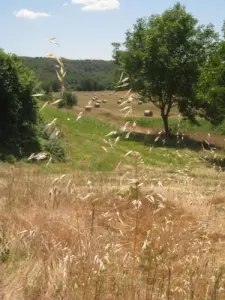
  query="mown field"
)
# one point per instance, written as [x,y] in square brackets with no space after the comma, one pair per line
[112,107]
[111,113]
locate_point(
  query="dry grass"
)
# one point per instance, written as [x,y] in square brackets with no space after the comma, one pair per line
[91,237]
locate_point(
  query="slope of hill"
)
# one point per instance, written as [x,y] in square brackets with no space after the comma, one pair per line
[85,75]
[86,147]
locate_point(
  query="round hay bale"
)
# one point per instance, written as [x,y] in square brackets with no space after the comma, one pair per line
[119,101]
[130,99]
[88,108]
[140,102]
[97,105]
[99,101]
[104,101]
[148,113]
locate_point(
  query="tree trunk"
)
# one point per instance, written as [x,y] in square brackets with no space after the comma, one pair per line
[166,124]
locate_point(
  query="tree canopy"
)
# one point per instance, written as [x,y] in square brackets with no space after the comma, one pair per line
[18,113]
[211,86]
[163,55]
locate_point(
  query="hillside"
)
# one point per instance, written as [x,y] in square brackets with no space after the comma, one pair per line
[84,75]
[66,235]
[87,150]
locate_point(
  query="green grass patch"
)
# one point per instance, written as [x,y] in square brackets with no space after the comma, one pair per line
[84,140]
[175,124]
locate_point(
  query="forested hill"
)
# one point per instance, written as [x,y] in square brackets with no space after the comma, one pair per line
[81,74]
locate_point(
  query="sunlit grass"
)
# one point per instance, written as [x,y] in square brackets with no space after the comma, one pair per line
[86,141]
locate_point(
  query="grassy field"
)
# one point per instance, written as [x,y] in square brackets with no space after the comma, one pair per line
[105,225]
[86,138]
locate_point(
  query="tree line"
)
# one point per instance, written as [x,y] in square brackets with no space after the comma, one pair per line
[82,75]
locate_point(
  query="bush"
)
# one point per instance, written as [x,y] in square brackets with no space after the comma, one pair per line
[52,144]
[69,100]
[18,113]
[55,148]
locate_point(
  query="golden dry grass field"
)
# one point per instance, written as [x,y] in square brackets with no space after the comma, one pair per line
[91,236]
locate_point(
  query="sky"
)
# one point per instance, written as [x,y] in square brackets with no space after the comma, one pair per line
[84,29]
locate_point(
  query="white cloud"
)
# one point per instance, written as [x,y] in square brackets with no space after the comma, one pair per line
[28,14]
[65,4]
[97,5]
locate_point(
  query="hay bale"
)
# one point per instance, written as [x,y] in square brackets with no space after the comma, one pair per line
[119,101]
[140,102]
[148,113]
[97,105]
[88,108]
[99,101]
[104,101]
[130,99]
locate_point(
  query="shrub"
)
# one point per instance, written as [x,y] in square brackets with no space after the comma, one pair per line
[69,100]
[52,144]
[55,148]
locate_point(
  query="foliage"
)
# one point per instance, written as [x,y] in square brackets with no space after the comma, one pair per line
[56,149]
[211,87]
[82,75]
[18,114]
[162,57]
[69,100]
[52,142]
[50,86]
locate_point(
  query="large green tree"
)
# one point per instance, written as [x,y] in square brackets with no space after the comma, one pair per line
[18,113]
[162,57]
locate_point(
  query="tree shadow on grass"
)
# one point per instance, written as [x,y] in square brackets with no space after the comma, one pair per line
[174,141]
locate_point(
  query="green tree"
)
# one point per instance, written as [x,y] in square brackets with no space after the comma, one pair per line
[211,87]
[162,58]
[18,113]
